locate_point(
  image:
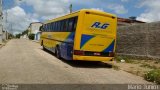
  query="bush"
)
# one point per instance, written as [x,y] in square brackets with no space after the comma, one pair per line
[153,76]
[31,36]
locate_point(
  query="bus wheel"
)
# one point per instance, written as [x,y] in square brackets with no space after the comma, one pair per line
[58,55]
[43,46]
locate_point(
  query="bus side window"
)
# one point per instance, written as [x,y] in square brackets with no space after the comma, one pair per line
[45,27]
[48,26]
[75,24]
[66,25]
[53,24]
[62,25]
[70,26]
[58,27]
[55,29]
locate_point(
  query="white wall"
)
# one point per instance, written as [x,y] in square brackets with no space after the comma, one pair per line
[35,27]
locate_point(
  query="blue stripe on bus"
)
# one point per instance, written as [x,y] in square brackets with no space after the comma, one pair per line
[70,37]
[84,39]
[67,48]
[110,48]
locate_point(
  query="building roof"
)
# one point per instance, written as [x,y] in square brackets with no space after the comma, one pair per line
[126,20]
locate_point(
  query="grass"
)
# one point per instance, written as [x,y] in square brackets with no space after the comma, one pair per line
[153,76]
[148,66]
[149,69]
[157,62]
[127,59]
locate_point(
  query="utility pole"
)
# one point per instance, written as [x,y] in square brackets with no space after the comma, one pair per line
[70,7]
[6,26]
[1,26]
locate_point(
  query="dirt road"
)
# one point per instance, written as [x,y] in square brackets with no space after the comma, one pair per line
[23,61]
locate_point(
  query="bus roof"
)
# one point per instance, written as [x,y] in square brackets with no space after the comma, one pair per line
[77,12]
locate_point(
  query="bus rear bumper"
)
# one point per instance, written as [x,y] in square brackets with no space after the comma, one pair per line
[91,58]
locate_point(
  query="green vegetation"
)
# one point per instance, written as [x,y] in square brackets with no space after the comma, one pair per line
[18,35]
[21,34]
[31,36]
[149,69]
[153,76]
[25,32]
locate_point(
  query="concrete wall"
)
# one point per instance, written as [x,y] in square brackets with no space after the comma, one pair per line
[139,40]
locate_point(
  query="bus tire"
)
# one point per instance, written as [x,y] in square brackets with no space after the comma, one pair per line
[41,43]
[43,46]
[58,53]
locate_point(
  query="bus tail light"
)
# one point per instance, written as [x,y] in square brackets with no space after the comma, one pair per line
[111,54]
[78,52]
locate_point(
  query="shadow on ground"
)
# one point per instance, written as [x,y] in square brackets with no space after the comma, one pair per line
[83,64]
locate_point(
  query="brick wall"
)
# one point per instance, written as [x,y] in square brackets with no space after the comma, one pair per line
[139,40]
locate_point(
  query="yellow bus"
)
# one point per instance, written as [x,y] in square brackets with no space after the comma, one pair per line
[88,35]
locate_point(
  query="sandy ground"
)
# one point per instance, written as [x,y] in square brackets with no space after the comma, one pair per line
[23,61]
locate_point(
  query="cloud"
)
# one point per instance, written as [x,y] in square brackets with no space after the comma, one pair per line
[17,19]
[124,0]
[49,9]
[152,12]
[117,8]
[99,9]
[42,10]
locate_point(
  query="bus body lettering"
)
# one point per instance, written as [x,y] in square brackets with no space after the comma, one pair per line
[99,25]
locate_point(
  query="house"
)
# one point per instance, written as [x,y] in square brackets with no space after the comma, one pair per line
[4,35]
[34,29]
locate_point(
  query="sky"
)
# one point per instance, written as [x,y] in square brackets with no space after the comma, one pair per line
[20,13]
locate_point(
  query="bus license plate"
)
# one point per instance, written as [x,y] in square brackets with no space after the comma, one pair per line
[97,54]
